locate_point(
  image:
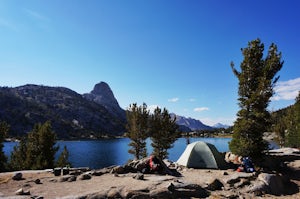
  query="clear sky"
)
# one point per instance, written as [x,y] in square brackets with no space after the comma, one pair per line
[169,53]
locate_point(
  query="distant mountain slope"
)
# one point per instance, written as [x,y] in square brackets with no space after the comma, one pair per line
[71,115]
[191,123]
[219,126]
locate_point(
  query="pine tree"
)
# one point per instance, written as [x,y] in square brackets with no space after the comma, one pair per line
[256,82]
[63,159]
[18,156]
[4,127]
[137,127]
[163,132]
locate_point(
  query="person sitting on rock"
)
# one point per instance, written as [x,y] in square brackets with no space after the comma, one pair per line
[248,165]
[154,164]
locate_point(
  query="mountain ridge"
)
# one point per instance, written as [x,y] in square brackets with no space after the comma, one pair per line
[72,116]
[191,123]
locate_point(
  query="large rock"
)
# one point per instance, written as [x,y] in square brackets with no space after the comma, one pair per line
[276,183]
[273,184]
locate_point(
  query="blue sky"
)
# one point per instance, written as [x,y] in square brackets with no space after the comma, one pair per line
[174,54]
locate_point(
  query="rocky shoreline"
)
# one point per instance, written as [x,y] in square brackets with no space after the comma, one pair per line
[117,182]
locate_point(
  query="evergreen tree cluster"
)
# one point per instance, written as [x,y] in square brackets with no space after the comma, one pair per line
[286,124]
[4,127]
[159,126]
[35,151]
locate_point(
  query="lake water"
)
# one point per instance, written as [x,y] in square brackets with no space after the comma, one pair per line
[107,152]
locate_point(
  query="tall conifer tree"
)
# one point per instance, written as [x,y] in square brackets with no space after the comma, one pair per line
[256,82]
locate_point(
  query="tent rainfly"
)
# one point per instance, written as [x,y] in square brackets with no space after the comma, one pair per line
[201,155]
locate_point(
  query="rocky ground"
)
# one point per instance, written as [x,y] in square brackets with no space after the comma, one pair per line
[193,183]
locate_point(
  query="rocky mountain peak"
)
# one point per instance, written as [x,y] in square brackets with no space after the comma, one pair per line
[102,94]
[103,89]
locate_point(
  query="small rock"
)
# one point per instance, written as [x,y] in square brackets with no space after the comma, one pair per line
[232,181]
[231,196]
[75,173]
[22,192]
[72,179]
[160,193]
[187,191]
[85,176]
[19,192]
[118,170]
[26,185]
[64,178]
[113,193]
[37,197]
[17,176]
[65,171]
[97,172]
[215,185]
[37,181]
[105,170]
[242,183]
[258,193]
[171,187]
[142,194]
[99,195]
[139,176]
[236,177]
[57,171]
[53,180]
[225,173]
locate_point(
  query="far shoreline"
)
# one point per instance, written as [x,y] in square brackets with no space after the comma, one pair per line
[115,137]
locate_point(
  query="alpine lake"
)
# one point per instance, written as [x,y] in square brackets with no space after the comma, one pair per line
[97,154]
